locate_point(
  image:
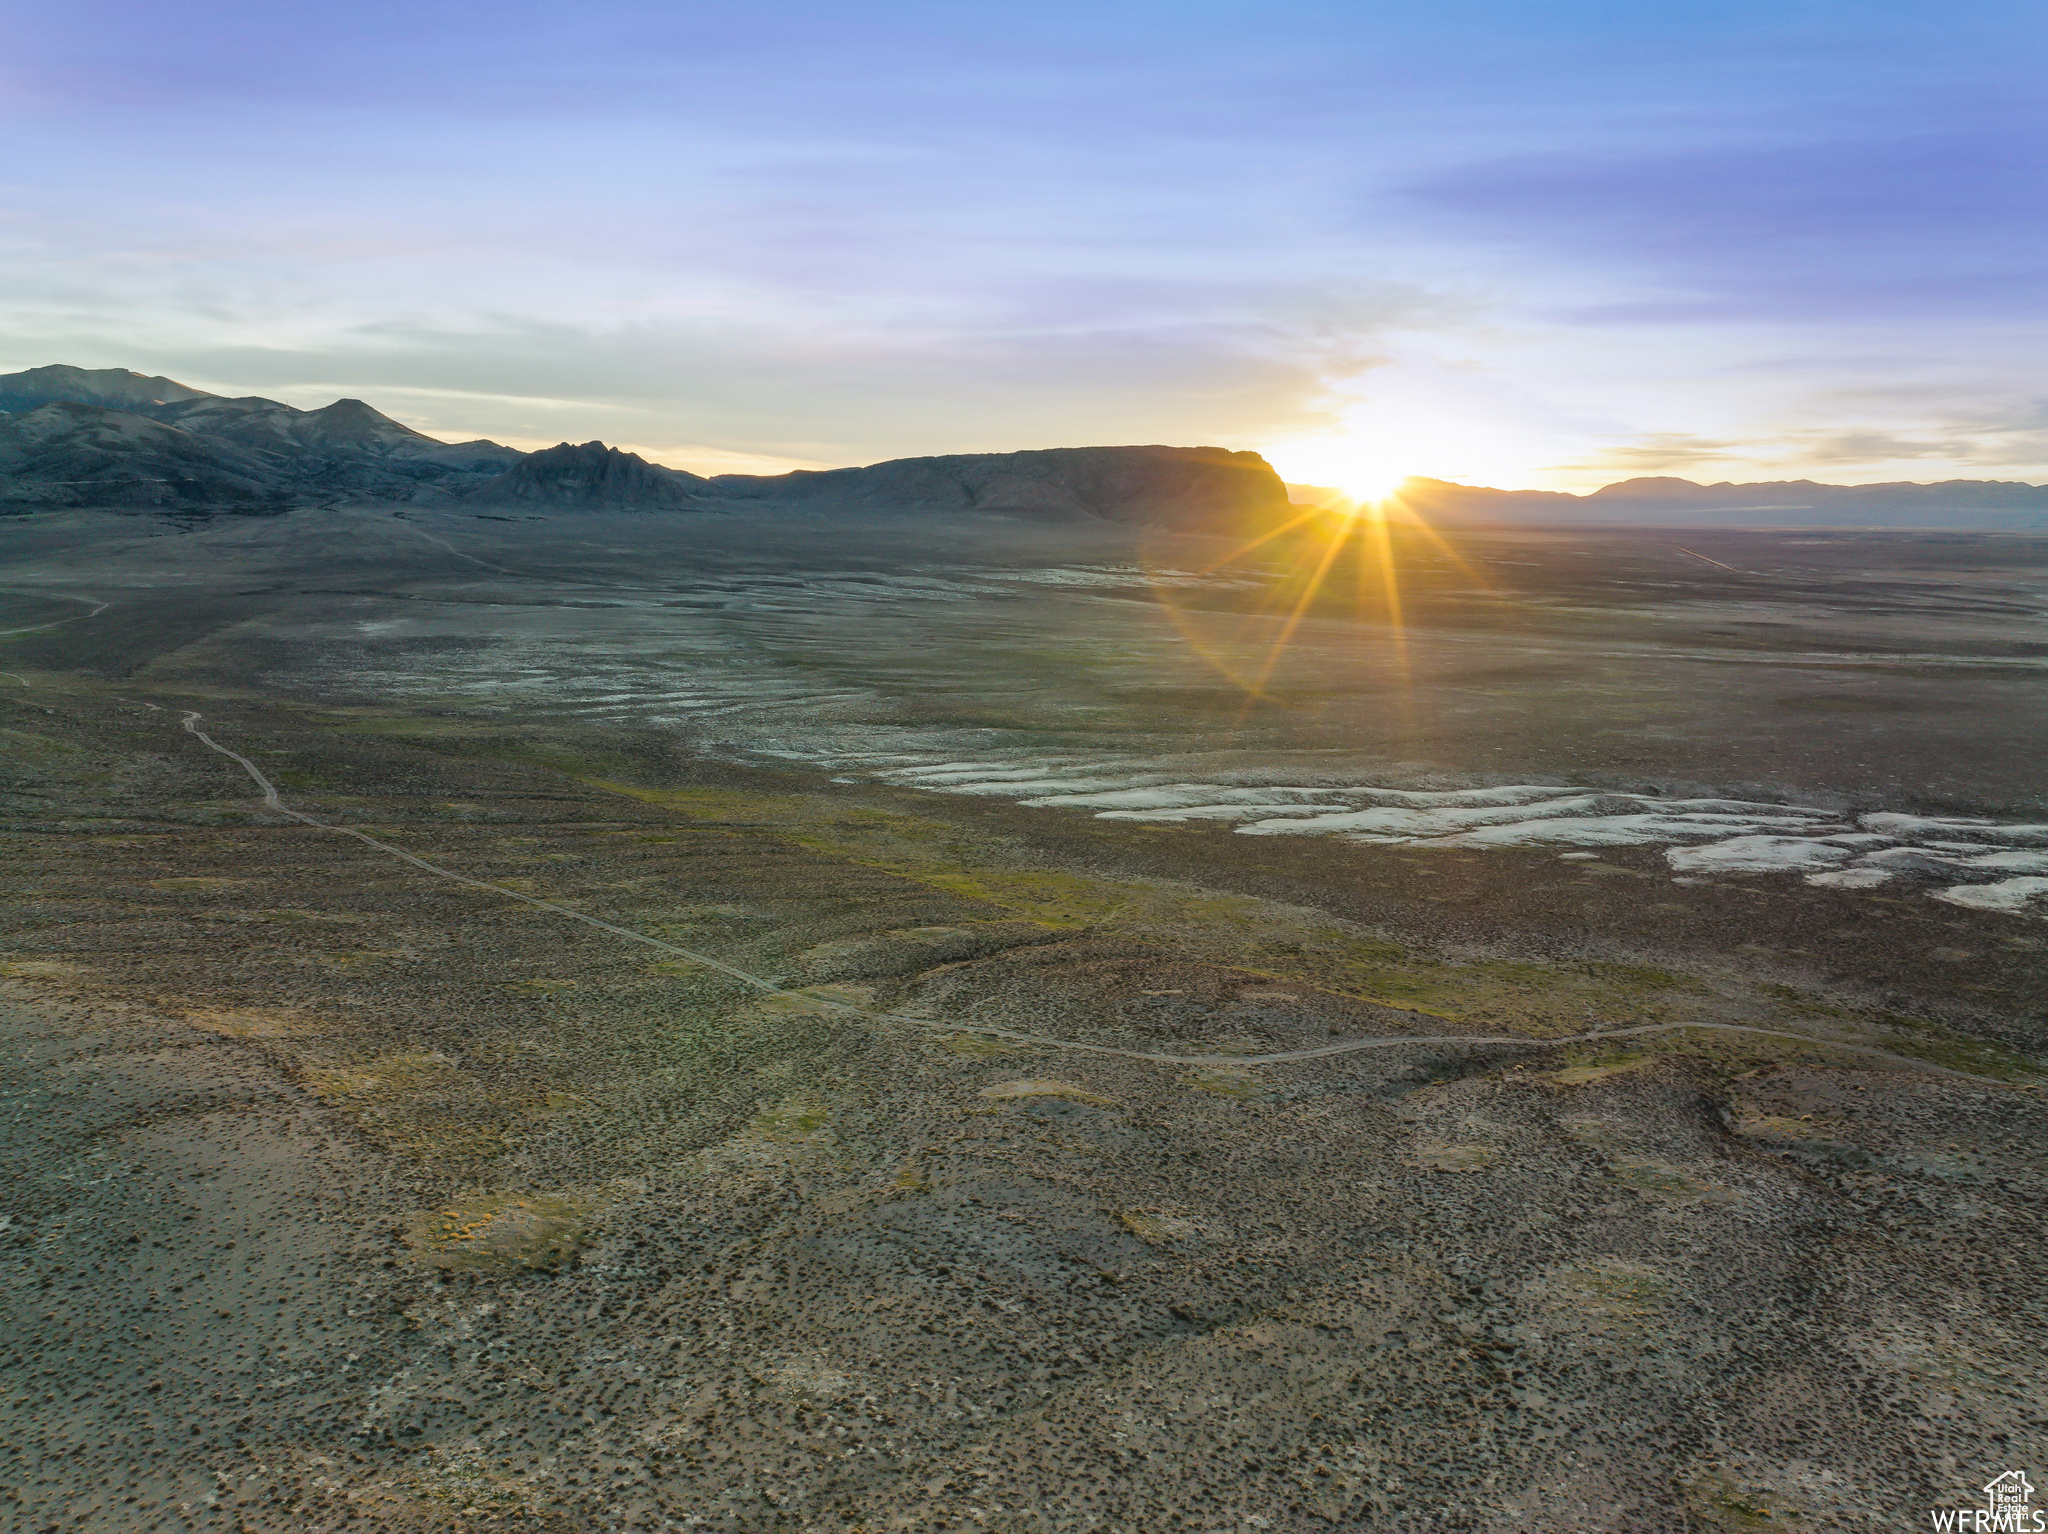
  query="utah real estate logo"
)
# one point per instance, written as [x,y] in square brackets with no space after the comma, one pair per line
[2009,1500]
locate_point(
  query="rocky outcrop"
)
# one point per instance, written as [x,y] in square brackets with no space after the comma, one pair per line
[590,476]
[1185,487]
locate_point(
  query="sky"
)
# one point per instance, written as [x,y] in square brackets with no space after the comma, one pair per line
[1541,245]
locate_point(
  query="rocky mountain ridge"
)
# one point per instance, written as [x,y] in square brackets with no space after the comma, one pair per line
[1665,500]
[108,437]
[114,439]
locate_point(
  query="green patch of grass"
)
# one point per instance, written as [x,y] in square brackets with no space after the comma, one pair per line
[1661,1179]
[537,987]
[505,1232]
[981,1046]
[1156,1229]
[356,959]
[799,1122]
[1615,1290]
[1797,1001]
[40,969]
[381,1080]
[1456,1158]
[1014,1091]
[1721,1506]
[1599,1068]
[1599,1134]
[1237,1081]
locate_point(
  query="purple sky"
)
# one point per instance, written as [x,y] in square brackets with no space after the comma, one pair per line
[1524,244]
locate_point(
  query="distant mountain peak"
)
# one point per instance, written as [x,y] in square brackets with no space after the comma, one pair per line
[590,474]
[115,388]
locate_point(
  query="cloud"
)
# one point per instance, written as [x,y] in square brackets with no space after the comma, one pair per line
[1929,450]
[1658,453]
[1177,362]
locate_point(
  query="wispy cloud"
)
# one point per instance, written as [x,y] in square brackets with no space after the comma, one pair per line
[1660,453]
[1222,366]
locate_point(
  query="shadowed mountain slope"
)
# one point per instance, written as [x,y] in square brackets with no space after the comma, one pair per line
[68,455]
[108,437]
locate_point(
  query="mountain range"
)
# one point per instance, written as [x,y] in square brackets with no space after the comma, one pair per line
[111,439]
[1982,504]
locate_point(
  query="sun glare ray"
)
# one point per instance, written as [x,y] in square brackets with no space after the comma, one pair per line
[1332,548]
[1362,526]
[1309,515]
[1424,526]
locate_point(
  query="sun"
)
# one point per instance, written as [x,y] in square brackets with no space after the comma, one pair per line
[1370,486]
[1359,468]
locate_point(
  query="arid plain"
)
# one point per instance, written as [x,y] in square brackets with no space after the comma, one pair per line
[971,1025]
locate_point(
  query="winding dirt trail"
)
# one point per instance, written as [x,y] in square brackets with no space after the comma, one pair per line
[272,801]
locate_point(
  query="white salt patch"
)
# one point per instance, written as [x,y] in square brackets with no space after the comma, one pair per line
[1755,854]
[1032,788]
[1171,796]
[1572,857]
[2009,862]
[1925,860]
[2015,897]
[1732,835]
[1790,822]
[1737,806]
[1389,822]
[1513,794]
[1922,827]
[1589,831]
[963,773]
[1852,878]
[1206,812]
